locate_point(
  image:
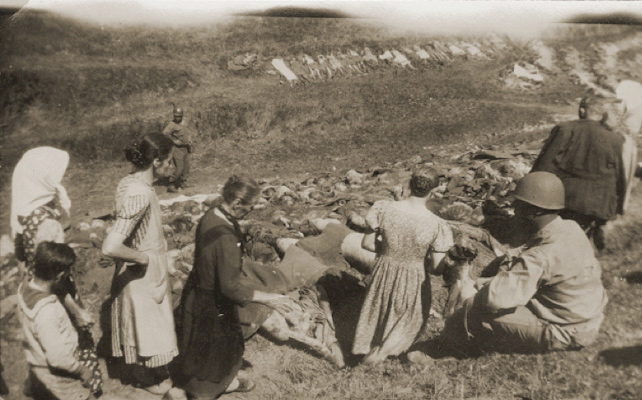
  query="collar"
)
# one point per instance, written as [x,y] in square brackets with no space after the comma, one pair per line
[219,211]
[546,231]
[137,177]
[32,299]
[223,215]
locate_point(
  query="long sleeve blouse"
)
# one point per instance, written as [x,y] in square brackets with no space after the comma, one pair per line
[218,260]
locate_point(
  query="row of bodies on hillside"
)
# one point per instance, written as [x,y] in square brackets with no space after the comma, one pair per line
[304,68]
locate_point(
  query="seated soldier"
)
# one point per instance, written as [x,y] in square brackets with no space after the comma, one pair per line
[550,296]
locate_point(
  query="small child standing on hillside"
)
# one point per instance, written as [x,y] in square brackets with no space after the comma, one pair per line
[50,339]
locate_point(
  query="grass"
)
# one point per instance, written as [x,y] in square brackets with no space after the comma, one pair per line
[90,91]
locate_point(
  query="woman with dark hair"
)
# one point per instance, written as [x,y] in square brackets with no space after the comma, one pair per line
[142,320]
[409,241]
[212,340]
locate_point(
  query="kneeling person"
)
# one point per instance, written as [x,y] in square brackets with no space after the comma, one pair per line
[550,297]
[51,341]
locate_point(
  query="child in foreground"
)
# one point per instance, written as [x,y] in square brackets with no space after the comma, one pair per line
[50,339]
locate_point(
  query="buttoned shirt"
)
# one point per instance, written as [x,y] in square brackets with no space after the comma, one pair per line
[556,276]
[178,133]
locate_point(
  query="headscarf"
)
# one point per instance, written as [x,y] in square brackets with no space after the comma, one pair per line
[36,182]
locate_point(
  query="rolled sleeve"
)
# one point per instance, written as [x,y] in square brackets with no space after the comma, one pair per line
[373,218]
[512,288]
[57,337]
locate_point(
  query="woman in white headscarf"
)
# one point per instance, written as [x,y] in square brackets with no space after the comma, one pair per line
[37,200]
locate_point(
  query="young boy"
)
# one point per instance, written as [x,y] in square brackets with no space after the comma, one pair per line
[50,339]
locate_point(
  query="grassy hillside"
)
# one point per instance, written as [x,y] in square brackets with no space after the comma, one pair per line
[91,89]
[71,85]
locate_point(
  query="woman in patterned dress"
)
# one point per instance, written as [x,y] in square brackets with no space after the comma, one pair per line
[409,240]
[142,320]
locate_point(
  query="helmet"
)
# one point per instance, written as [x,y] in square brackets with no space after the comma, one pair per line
[178,112]
[541,189]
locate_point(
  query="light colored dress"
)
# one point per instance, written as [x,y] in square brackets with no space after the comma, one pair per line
[142,318]
[398,299]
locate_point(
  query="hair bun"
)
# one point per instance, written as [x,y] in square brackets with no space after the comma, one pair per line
[143,151]
[134,155]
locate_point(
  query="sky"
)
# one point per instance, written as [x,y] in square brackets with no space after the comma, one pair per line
[519,18]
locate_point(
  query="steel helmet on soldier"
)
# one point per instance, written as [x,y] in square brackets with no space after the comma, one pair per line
[178,112]
[541,189]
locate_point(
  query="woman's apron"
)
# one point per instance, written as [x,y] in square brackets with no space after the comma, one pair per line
[143,302]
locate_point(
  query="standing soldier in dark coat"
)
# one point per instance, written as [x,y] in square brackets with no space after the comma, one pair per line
[180,135]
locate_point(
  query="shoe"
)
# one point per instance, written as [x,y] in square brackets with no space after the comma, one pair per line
[160,388]
[419,358]
[27,388]
[245,385]
[172,189]
[374,357]
[175,394]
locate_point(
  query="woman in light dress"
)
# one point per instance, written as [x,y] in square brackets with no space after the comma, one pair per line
[142,321]
[409,241]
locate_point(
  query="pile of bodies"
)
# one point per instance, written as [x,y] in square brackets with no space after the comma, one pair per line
[306,230]
[531,71]
[537,63]
[598,68]
[312,228]
[305,68]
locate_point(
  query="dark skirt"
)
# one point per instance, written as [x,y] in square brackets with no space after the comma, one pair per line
[212,343]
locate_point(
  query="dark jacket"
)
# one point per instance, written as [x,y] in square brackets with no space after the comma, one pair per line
[587,157]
